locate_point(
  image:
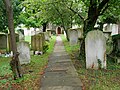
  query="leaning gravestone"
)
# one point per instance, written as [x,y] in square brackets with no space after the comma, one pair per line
[24,50]
[95,47]
[73,36]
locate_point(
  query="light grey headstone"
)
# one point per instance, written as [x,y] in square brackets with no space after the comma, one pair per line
[24,50]
[73,36]
[47,38]
[95,47]
[118,60]
[114,29]
[107,28]
[107,34]
[21,36]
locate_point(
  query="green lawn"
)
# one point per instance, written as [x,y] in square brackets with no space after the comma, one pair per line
[94,79]
[32,72]
[28,39]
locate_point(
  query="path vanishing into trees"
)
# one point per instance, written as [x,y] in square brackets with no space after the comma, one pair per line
[60,73]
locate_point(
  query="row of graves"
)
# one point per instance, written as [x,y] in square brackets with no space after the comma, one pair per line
[23,47]
[98,44]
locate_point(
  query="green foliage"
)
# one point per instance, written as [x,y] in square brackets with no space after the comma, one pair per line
[45,47]
[116,51]
[109,45]
[116,37]
[3,17]
[99,64]
[68,47]
[28,39]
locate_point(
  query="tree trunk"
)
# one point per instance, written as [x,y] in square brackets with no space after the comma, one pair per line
[15,64]
[88,26]
[66,31]
[67,36]
[44,27]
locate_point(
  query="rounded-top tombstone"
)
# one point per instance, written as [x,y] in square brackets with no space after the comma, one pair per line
[73,36]
[95,47]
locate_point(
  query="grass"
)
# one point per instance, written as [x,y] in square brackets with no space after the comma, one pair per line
[108,79]
[32,72]
[28,39]
[69,48]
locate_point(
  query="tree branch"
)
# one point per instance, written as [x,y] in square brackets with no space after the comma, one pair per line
[59,15]
[75,12]
[105,8]
[102,4]
[57,10]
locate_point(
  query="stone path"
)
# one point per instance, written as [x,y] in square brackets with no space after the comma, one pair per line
[60,73]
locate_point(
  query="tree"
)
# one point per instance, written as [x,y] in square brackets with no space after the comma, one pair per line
[15,64]
[31,16]
[56,13]
[91,11]
[3,19]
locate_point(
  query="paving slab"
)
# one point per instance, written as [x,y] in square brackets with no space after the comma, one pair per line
[60,73]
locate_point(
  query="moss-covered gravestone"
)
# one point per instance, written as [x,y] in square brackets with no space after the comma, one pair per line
[3,41]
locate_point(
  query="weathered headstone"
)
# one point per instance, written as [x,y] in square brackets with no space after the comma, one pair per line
[107,34]
[21,35]
[73,36]
[49,33]
[107,28]
[37,42]
[47,38]
[95,47]
[114,29]
[3,41]
[80,33]
[24,50]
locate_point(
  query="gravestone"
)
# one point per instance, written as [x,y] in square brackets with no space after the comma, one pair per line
[24,50]
[37,42]
[107,34]
[114,29]
[21,35]
[95,48]
[47,38]
[73,36]
[3,41]
[80,33]
[49,33]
